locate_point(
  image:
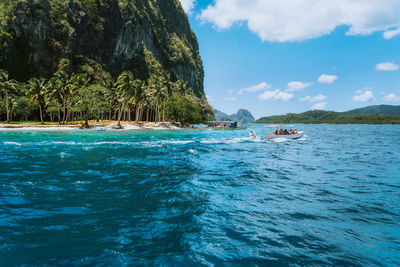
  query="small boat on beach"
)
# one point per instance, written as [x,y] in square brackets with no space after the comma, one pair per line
[222,124]
[282,134]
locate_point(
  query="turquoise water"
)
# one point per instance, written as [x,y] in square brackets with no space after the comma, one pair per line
[198,197]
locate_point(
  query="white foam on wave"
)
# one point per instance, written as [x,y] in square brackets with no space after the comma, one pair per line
[280,140]
[238,140]
[177,142]
[61,142]
[211,141]
[227,140]
[64,155]
[12,143]
[167,142]
[107,143]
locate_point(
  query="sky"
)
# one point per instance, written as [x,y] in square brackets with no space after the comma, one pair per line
[275,57]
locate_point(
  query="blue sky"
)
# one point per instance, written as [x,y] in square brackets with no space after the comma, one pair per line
[273,58]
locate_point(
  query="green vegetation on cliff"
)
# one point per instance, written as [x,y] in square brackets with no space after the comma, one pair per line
[330,117]
[108,34]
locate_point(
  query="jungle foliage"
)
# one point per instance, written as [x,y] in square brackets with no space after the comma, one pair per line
[69,96]
[331,117]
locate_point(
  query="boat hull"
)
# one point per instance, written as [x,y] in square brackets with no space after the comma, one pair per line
[273,136]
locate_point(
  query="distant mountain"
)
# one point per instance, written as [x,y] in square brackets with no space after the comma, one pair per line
[380,109]
[219,115]
[242,116]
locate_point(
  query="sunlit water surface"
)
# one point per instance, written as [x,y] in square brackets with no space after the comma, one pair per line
[198,197]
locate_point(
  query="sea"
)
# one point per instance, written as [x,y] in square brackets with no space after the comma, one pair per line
[200,197]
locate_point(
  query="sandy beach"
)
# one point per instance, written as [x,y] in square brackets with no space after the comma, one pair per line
[103,125]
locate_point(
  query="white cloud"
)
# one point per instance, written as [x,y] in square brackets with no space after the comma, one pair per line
[391,34]
[297,86]
[317,98]
[187,5]
[299,20]
[275,95]
[231,99]
[328,79]
[209,98]
[230,92]
[319,106]
[364,96]
[387,66]
[255,88]
[391,98]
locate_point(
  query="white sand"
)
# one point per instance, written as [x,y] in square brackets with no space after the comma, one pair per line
[111,126]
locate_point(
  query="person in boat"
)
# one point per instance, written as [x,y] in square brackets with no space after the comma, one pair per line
[276,132]
[280,132]
[286,132]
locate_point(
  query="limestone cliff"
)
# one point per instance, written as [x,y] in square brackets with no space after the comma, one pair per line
[36,34]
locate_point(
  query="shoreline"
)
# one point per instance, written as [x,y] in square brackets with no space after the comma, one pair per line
[103,125]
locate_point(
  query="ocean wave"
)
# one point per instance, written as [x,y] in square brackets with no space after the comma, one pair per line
[12,143]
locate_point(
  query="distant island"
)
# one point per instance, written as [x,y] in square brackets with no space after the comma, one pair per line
[366,115]
[242,116]
[378,109]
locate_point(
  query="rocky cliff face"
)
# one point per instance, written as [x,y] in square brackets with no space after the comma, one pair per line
[116,35]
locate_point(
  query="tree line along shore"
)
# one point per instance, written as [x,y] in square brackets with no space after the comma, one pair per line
[69,96]
[331,117]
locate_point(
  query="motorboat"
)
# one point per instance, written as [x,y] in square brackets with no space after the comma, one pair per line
[298,135]
[277,135]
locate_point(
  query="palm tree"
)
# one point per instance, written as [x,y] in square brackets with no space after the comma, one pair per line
[62,82]
[158,91]
[74,83]
[180,88]
[36,91]
[125,90]
[7,86]
[148,102]
[139,88]
[54,94]
[111,99]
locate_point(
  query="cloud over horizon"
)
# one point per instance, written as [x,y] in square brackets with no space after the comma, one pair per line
[297,86]
[319,106]
[317,98]
[187,5]
[391,98]
[276,95]
[255,88]
[364,96]
[283,21]
[386,66]
[327,79]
